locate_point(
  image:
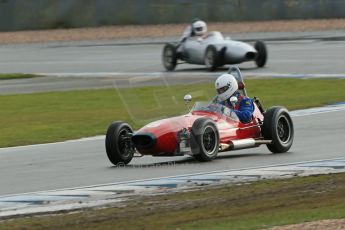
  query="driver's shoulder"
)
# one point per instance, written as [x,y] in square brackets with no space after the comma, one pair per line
[246,101]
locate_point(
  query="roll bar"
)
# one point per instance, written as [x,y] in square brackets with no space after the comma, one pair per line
[236,72]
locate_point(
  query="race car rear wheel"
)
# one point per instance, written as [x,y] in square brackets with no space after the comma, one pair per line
[212,58]
[261,57]
[278,127]
[204,139]
[118,143]
[169,57]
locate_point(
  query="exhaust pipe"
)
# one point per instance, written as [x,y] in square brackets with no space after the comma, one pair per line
[243,144]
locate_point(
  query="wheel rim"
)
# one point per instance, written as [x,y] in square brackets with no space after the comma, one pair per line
[209,58]
[284,129]
[124,144]
[168,57]
[209,140]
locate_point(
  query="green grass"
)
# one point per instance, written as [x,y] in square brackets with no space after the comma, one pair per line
[9,76]
[48,117]
[250,206]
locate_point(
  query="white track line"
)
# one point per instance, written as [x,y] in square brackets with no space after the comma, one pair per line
[77,198]
[182,175]
[143,74]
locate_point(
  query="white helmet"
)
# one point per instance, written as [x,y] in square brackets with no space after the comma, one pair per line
[226,85]
[199,28]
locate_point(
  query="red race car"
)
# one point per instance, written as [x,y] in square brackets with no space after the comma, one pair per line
[207,129]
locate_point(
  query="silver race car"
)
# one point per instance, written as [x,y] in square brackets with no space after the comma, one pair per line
[212,51]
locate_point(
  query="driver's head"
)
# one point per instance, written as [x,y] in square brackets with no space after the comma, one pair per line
[226,85]
[199,28]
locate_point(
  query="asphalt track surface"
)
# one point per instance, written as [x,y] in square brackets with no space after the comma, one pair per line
[308,55]
[107,64]
[82,163]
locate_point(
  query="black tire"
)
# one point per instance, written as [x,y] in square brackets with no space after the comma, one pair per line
[261,58]
[278,127]
[169,57]
[212,58]
[204,139]
[119,149]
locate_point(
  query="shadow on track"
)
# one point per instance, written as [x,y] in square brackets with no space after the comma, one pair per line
[191,161]
[219,69]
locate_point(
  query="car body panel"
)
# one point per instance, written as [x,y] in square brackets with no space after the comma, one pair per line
[193,49]
[166,131]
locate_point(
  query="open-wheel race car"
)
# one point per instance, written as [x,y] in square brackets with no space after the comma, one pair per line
[207,129]
[213,51]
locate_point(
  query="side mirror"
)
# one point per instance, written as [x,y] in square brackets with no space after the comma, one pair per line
[241,85]
[233,100]
[187,98]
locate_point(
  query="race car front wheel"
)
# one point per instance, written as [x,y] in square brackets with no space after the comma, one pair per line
[212,58]
[261,57]
[118,144]
[169,57]
[278,127]
[204,139]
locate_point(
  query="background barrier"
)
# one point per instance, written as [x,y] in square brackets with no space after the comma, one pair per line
[44,14]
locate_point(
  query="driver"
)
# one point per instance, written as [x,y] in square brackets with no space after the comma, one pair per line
[198,28]
[227,87]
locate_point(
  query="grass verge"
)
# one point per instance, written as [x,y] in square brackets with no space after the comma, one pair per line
[56,116]
[250,206]
[9,76]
